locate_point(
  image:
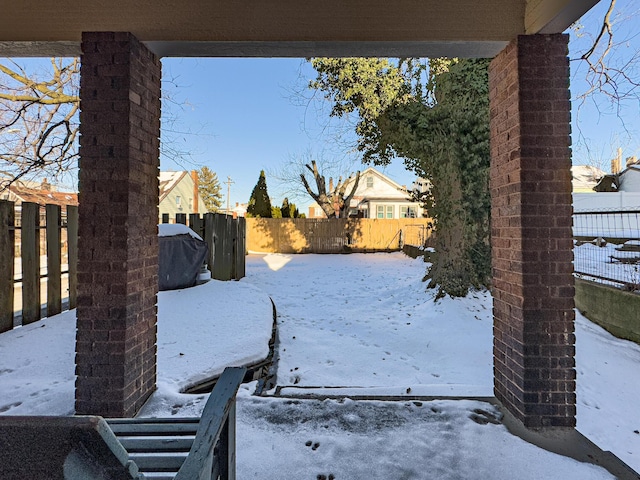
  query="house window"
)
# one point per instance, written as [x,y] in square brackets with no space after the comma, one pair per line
[191,204]
[178,202]
[369,182]
[384,211]
[408,212]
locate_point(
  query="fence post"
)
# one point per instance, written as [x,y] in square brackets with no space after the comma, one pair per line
[7,253]
[54,270]
[241,248]
[209,238]
[195,224]
[30,251]
[223,244]
[165,218]
[72,254]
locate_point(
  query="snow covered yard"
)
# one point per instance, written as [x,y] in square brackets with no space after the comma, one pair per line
[200,331]
[361,324]
[365,321]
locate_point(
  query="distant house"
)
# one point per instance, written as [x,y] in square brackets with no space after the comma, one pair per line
[179,194]
[614,191]
[585,177]
[42,193]
[630,179]
[315,211]
[377,196]
[240,210]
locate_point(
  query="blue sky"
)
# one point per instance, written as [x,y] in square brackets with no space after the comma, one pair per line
[239,116]
[600,125]
[247,119]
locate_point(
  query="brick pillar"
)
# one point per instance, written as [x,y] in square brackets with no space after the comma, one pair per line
[534,374]
[118,213]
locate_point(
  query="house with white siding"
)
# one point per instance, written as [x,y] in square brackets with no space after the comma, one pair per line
[179,194]
[377,196]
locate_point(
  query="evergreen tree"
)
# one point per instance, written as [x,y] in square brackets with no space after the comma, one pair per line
[209,189]
[259,203]
[286,208]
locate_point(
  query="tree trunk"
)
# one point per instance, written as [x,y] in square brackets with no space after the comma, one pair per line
[450,271]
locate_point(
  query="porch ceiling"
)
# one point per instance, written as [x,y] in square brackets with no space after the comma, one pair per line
[286,28]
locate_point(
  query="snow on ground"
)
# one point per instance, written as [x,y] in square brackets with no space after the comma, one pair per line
[608,391]
[195,325]
[366,321]
[374,440]
[609,261]
[346,321]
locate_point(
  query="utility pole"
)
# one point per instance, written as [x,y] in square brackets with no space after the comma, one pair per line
[229,182]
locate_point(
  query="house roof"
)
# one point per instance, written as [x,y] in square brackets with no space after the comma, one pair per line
[20,193]
[168,180]
[375,173]
[614,182]
[361,194]
[585,177]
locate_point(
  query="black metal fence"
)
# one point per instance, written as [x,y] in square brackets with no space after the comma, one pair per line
[607,247]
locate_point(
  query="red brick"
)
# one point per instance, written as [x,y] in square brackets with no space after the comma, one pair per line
[119,141]
[531,220]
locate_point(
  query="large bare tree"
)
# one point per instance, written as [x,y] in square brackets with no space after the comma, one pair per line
[38,120]
[334,201]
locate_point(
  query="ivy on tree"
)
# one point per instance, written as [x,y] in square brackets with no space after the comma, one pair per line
[436,117]
[259,202]
[209,189]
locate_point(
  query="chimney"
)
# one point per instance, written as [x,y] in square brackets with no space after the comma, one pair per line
[616,163]
[194,177]
[44,185]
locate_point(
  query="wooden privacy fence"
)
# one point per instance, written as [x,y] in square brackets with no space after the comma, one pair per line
[44,248]
[335,235]
[39,257]
[226,238]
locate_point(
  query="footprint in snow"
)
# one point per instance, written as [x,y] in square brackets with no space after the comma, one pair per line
[6,408]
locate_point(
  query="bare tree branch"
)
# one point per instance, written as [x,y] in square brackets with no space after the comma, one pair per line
[335,202]
[617,78]
[39,122]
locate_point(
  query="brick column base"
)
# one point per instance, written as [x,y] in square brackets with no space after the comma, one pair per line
[118,211]
[534,374]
